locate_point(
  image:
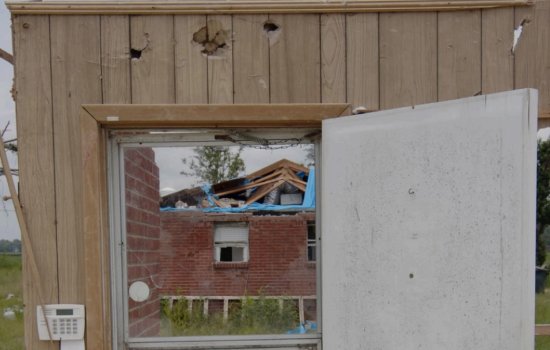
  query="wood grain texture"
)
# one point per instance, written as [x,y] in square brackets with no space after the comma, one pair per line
[116,88]
[76,79]
[252,6]
[459,54]
[266,115]
[250,59]
[408,59]
[295,60]
[153,72]
[191,64]
[333,58]
[95,234]
[115,59]
[362,60]
[497,59]
[532,54]
[36,161]
[220,63]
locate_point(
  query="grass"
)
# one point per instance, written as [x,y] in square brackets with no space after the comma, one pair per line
[251,316]
[542,315]
[11,331]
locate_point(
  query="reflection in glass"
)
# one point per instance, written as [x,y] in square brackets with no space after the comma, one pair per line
[235,256]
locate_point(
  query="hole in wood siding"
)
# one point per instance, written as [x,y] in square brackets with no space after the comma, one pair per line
[135,54]
[210,41]
[517,33]
[270,27]
[272,31]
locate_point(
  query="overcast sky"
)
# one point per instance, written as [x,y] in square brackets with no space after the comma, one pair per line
[9,229]
[169,161]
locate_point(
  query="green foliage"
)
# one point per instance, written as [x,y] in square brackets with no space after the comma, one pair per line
[213,164]
[10,246]
[11,331]
[543,196]
[252,316]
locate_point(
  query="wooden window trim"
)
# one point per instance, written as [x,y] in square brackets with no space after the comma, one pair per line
[95,120]
[250,6]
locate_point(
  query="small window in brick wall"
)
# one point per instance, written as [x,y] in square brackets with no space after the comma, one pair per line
[231,242]
[311,243]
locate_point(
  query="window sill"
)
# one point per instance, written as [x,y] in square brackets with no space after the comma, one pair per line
[311,264]
[231,265]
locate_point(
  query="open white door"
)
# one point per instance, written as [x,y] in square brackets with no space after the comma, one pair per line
[428,226]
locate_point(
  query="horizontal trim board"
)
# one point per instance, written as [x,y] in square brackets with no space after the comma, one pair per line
[249,6]
[542,329]
[235,115]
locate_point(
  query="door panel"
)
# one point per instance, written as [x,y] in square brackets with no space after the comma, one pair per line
[428,226]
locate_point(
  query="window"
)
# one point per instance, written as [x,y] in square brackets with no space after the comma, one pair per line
[231,242]
[244,226]
[311,243]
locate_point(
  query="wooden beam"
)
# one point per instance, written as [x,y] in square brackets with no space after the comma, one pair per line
[250,6]
[245,187]
[8,57]
[542,329]
[544,119]
[263,115]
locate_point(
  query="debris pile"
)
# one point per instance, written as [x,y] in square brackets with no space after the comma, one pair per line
[280,185]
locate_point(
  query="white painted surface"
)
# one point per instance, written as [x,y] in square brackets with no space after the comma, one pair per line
[139,291]
[428,226]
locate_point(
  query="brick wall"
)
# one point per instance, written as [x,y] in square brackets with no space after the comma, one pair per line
[277,265]
[143,237]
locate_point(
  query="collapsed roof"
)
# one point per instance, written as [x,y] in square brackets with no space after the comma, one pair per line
[283,185]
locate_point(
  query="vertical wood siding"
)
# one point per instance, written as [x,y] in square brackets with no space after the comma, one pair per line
[379,61]
[36,162]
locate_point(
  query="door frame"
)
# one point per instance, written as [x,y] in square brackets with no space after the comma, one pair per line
[96,120]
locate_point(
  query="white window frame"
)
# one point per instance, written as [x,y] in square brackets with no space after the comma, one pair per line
[119,293]
[218,245]
[311,243]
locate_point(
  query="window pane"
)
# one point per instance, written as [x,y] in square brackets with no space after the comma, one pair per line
[228,257]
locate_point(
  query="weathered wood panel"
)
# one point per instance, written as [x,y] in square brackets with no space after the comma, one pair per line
[532,54]
[422,57]
[36,161]
[459,59]
[95,235]
[362,60]
[152,68]
[116,88]
[190,64]
[115,59]
[76,79]
[251,59]
[497,59]
[408,59]
[220,62]
[295,59]
[333,58]
[251,7]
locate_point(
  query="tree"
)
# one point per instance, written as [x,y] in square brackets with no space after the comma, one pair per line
[543,196]
[213,164]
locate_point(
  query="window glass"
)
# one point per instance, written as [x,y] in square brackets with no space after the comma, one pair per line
[311,245]
[215,239]
[231,242]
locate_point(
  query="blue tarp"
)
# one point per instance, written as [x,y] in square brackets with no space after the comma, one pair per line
[307,204]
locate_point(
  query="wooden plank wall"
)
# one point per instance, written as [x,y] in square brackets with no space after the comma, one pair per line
[379,61]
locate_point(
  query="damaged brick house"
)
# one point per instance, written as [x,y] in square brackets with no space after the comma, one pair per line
[245,237]
[248,237]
